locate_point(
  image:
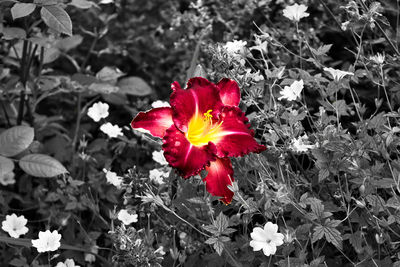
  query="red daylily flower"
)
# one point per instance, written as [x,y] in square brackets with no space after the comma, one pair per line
[201,130]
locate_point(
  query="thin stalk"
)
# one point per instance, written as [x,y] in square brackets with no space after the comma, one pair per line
[23,65]
[384,89]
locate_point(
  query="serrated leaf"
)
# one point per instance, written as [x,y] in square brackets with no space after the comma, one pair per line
[6,166]
[211,240]
[40,165]
[318,233]
[221,222]
[56,18]
[331,234]
[219,247]
[15,140]
[20,10]
[356,241]
[134,86]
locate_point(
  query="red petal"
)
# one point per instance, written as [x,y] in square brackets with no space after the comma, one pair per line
[220,175]
[229,92]
[156,121]
[199,97]
[234,137]
[188,159]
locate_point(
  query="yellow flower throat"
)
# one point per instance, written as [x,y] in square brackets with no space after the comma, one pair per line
[202,129]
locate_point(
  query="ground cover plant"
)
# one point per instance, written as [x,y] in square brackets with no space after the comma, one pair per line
[199,133]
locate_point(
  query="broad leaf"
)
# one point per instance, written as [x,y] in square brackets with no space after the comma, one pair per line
[15,140]
[57,18]
[82,4]
[134,86]
[6,166]
[10,33]
[40,165]
[20,10]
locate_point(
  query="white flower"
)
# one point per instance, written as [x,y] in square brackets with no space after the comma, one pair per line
[266,239]
[67,263]
[293,91]
[295,12]
[337,74]
[299,144]
[158,156]
[378,58]
[160,104]
[48,241]
[126,218]
[98,111]
[113,178]
[236,47]
[160,250]
[158,176]
[7,178]
[90,257]
[111,130]
[15,225]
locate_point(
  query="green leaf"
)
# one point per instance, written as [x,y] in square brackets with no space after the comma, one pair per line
[6,166]
[69,43]
[57,19]
[103,88]
[109,74]
[82,4]
[134,86]
[40,165]
[331,234]
[221,222]
[10,33]
[20,10]
[15,140]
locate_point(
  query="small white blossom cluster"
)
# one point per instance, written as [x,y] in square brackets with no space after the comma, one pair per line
[158,175]
[237,50]
[99,111]
[113,178]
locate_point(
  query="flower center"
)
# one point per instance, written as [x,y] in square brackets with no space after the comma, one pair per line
[202,129]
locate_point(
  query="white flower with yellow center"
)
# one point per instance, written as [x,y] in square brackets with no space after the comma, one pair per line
[48,241]
[126,218]
[295,12]
[158,176]
[337,74]
[160,104]
[15,225]
[112,131]
[301,144]
[292,92]
[266,239]
[67,263]
[98,111]
[158,156]
[113,178]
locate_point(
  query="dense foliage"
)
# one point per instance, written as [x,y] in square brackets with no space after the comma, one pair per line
[319,84]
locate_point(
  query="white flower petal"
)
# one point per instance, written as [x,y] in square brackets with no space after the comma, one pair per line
[257,245]
[269,249]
